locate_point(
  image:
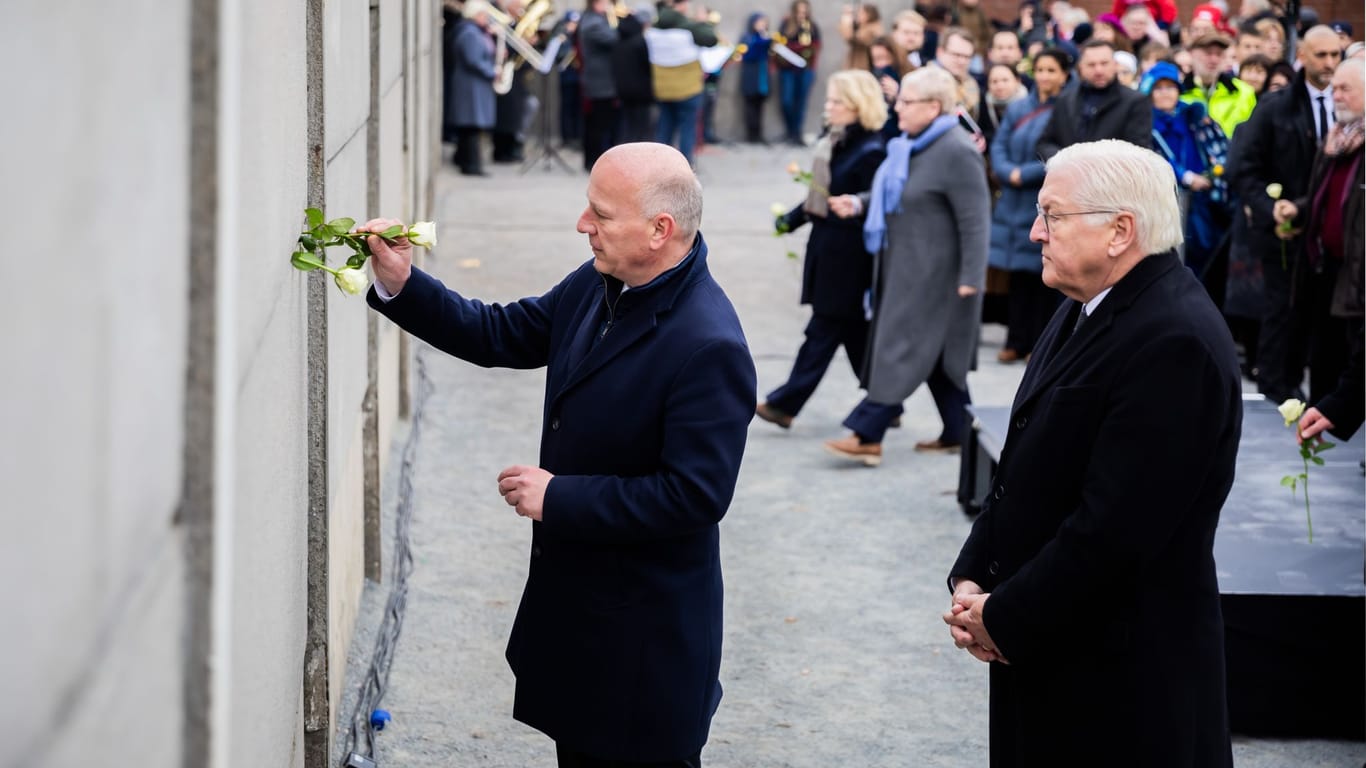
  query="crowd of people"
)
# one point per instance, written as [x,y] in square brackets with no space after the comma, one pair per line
[1141,188]
[1265,150]
[1238,104]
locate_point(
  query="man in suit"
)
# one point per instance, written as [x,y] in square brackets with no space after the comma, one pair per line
[1098,107]
[1277,146]
[650,388]
[1088,581]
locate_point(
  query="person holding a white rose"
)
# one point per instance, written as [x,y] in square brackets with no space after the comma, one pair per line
[1329,277]
[650,388]
[837,270]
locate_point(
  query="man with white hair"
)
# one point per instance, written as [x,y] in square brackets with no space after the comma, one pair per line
[648,398]
[1330,278]
[1088,581]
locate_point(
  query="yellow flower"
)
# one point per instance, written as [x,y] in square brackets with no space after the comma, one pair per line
[351,280]
[1274,190]
[1217,170]
[423,233]
[1291,410]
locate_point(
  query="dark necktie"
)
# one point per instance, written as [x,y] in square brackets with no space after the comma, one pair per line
[1323,120]
[1081,320]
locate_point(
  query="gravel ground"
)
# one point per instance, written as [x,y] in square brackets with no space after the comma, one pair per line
[834,650]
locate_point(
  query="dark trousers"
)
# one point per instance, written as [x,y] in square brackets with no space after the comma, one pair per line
[571,110]
[1280,343]
[794,87]
[468,154]
[824,335]
[870,420]
[1029,306]
[599,129]
[635,123]
[754,118]
[1330,341]
[569,759]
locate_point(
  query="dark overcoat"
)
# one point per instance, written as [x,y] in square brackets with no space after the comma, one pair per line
[617,642]
[1096,541]
[837,270]
[1119,113]
[1277,144]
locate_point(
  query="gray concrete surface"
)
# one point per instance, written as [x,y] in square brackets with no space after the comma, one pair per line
[834,650]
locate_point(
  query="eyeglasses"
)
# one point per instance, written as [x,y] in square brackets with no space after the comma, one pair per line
[1050,218]
[915,101]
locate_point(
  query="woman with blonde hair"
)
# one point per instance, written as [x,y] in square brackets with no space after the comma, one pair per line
[927,216]
[837,270]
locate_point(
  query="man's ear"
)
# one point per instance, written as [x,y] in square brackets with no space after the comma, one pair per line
[662,229]
[1125,236]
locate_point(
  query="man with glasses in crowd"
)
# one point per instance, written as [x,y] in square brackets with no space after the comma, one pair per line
[1088,580]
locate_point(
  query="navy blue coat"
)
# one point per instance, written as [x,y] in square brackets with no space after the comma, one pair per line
[837,270]
[1014,146]
[1097,540]
[617,641]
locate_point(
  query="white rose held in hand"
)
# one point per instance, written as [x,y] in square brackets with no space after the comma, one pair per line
[423,234]
[1291,410]
[351,280]
[322,234]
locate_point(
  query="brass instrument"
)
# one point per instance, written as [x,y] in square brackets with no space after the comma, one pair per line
[517,35]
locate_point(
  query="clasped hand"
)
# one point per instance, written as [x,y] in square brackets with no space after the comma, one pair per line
[964,618]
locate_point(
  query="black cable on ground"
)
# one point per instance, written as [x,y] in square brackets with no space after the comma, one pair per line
[376,679]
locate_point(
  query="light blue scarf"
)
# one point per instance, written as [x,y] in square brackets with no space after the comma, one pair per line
[891,179]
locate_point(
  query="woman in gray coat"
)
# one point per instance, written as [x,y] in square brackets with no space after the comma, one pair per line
[928,220]
[472,103]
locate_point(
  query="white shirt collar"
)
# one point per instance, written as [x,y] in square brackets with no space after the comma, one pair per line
[1090,307]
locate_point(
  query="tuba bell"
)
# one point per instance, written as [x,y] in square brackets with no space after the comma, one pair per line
[519,35]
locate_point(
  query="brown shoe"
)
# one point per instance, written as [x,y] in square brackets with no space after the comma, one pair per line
[869,454]
[936,446]
[1007,355]
[773,415]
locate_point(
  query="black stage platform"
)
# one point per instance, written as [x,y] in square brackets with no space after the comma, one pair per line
[1294,612]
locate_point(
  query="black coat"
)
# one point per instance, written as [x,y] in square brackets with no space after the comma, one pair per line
[1120,113]
[631,64]
[1276,144]
[1096,542]
[838,270]
[617,641]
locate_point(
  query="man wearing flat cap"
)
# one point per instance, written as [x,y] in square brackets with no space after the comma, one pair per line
[1227,99]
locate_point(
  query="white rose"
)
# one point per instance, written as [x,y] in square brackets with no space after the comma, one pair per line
[1273,191]
[423,233]
[1291,410]
[778,209]
[352,280]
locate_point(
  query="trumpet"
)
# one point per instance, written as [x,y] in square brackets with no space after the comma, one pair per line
[516,34]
